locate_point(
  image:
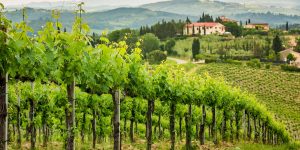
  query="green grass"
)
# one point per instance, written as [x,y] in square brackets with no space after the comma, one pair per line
[164,144]
[184,44]
[212,44]
[252,146]
[279,91]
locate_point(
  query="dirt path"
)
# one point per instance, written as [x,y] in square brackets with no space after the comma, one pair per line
[178,61]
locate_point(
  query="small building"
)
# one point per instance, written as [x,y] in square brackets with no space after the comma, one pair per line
[204,28]
[285,53]
[258,26]
[225,20]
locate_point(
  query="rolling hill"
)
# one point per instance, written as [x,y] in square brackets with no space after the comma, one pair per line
[215,8]
[273,3]
[98,21]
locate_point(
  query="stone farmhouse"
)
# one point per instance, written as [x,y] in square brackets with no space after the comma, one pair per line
[204,28]
[285,53]
[258,26]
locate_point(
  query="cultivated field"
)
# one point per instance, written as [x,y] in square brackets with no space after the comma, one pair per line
[279,91]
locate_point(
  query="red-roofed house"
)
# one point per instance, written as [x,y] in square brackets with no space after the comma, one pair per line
[204,28]
[225,19]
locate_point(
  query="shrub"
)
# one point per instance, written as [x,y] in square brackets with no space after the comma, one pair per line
[290,58]
[268,66]
[150,43]
[186,50]
[156,57]
[290,68]
[254,32]
[255,63]
[209,58]
[231,61]
[169,47]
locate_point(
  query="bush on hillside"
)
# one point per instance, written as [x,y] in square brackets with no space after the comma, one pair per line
[209,58]
[150,43]
[268,66]
[169,47]
[254,32]
[254,63]
[235,62]
[290,68]
[156,57]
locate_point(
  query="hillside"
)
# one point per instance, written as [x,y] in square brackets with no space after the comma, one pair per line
[273,3]
[271,18]
[279,91]
[215,8]
[98,21]
[129,17]
[102,5]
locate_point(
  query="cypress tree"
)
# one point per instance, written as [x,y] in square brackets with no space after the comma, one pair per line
[196,48]
[188,21]
[193,29]
[277,44]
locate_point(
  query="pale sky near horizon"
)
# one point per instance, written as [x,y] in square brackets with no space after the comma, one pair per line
[137,2]
[105,2]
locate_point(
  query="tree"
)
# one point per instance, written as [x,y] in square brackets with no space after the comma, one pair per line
[290,58]
[128,35]
[156,57]
[169,46]
[297,48]
[118,35]
[195,48]
[218,19]
[233,28]
[287,26]
[207,18]
[188,21]
[277,44]
[193,30]
[149,44]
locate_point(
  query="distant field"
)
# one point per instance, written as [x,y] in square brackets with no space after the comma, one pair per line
[279,91]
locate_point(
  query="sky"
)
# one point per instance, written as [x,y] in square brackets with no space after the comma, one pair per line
[140,2]
[105,2]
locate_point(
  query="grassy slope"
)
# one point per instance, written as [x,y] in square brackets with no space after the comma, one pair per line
[279,91]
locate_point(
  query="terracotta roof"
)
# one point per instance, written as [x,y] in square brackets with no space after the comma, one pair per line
[225,19]
[203,24]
